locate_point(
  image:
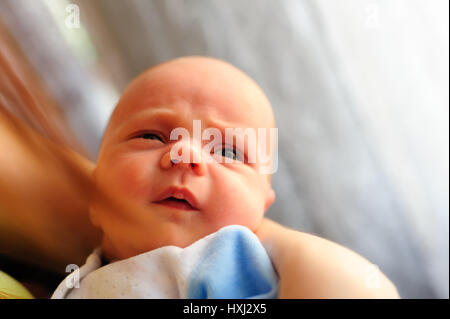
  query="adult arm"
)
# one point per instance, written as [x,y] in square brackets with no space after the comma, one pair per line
[43,199]
[312,267]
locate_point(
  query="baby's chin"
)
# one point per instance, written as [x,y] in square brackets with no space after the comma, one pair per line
[113,253]
[175,236]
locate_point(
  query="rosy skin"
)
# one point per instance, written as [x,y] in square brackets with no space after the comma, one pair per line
[135,163]
[133,171]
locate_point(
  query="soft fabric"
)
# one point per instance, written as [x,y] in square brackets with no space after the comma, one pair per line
[230,263]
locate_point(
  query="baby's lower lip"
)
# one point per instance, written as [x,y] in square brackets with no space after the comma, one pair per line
[175,204]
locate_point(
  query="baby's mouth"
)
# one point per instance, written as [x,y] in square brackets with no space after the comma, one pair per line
[179,198]
[176,203]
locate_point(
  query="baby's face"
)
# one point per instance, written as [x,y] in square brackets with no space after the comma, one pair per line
[135,158]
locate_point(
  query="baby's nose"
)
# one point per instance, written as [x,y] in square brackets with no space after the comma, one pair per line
[185,154]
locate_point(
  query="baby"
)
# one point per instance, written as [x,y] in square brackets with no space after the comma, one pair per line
[162,214]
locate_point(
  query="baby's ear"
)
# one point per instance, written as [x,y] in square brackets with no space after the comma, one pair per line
[270,198]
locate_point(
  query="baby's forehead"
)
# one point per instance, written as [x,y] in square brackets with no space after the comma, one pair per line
[223,93]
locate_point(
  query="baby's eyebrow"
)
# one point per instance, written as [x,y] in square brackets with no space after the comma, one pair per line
[166,116]
[220,124]
[162,116]
[164,119]
[155,112]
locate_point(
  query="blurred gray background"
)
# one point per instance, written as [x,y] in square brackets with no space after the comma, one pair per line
[359,90]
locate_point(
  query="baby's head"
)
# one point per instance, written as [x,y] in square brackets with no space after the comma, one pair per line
[173,202]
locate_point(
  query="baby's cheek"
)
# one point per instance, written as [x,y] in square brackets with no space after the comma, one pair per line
[238,200]
[128,175]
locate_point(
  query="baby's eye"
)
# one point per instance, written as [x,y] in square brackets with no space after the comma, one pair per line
[150,136]
[230,153]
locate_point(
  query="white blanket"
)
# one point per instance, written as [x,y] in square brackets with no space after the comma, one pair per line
[230,263]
